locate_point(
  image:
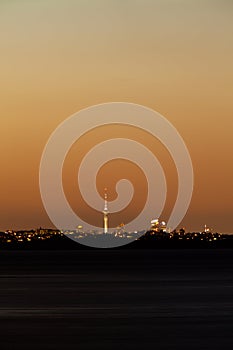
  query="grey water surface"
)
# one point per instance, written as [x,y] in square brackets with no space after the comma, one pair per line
[116,299]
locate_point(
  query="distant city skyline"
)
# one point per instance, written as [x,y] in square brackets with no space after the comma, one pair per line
[59,57]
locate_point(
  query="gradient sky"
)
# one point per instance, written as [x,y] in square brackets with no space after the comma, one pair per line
[174,56]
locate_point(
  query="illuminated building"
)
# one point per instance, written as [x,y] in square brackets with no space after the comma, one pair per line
[154,224]
[157,226]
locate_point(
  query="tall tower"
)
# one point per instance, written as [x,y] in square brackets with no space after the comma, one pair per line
[105,211]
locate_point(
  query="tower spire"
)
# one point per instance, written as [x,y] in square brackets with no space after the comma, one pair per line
[105,200]
[105,211]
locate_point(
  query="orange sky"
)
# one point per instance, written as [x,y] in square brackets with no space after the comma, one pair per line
[174,56]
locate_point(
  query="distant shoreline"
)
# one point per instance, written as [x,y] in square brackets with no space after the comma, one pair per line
[49,239]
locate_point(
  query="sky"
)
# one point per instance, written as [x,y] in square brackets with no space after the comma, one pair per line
[58,57]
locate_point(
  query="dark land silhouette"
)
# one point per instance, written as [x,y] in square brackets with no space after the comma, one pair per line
[53,239]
